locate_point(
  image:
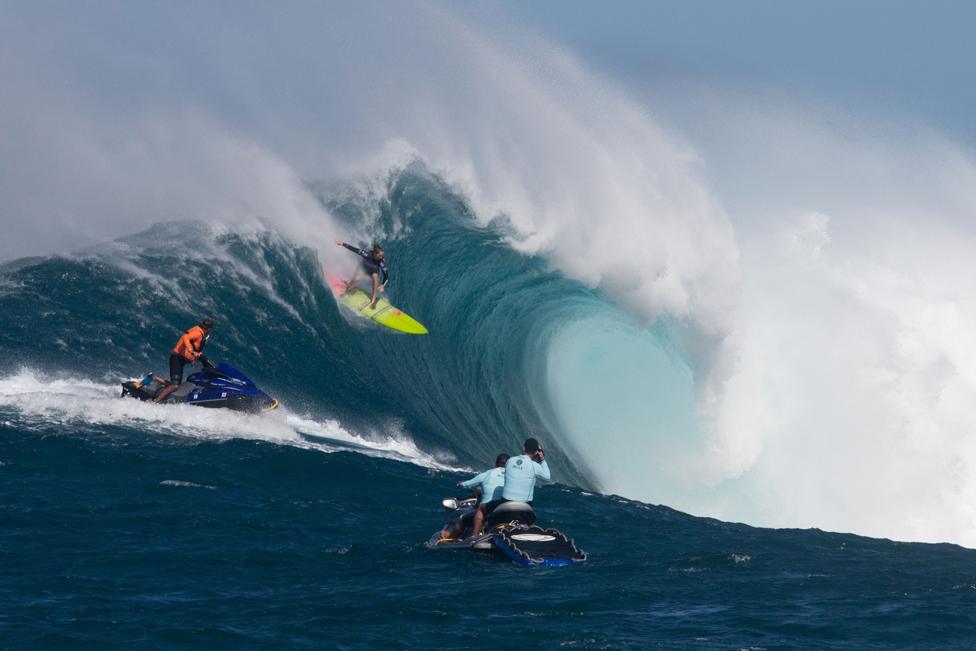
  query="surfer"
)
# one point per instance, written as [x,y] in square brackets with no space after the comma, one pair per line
[372,265]
[489,484]
[522,471]
[188,350]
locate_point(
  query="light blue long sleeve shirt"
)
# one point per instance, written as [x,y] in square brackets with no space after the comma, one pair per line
[491,484]
[520,476]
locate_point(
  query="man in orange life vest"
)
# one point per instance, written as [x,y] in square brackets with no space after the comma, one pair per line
[188,350]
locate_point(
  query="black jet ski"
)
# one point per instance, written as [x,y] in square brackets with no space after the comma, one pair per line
[509,530]
[221,386]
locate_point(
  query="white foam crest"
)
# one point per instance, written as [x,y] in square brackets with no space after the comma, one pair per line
[849,406]
[582,173]
[847,402]
[579,169]
[36,401]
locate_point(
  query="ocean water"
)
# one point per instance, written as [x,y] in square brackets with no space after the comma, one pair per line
[126,525]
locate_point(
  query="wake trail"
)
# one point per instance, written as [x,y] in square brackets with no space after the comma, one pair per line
[31,401]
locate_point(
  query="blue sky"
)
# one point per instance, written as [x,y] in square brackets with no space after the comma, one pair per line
[913,60]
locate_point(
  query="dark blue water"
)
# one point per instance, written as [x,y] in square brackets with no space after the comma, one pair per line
[125,525]
[118,539]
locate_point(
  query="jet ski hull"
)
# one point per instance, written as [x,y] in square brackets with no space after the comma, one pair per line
[512,533]
[478,543]
[221,387]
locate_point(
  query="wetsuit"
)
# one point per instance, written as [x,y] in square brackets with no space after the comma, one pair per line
[369,264]
[520,476]
[191,341]
[491,482]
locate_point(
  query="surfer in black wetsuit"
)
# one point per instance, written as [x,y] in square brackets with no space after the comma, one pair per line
[372,265]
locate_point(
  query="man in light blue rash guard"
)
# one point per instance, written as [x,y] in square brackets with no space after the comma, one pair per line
[490,484]
[522,471]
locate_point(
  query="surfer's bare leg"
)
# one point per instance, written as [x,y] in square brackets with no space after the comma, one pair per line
[376,286]
[352,281]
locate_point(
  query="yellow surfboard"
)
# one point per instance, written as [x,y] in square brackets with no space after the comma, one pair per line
[384,313]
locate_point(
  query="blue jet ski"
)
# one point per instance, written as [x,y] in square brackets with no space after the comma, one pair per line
[221,387]
[510,530]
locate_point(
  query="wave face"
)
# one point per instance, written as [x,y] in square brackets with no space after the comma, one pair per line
[477,385]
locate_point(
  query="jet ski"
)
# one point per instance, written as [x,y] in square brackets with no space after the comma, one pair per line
[511,531]
[221,386]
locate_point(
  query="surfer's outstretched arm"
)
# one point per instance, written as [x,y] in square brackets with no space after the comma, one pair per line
[355,249]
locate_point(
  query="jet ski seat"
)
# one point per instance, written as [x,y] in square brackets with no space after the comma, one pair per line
[181,392]
[506,512]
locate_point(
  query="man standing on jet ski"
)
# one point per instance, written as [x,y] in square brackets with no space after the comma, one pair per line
[372,265]
[188,350]
[522,471]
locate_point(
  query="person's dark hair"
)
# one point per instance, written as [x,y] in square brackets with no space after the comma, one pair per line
[531,445]
[501,459]
[207,324]
[377,248]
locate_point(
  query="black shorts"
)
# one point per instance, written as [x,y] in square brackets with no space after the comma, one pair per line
[176,364]
[492,505]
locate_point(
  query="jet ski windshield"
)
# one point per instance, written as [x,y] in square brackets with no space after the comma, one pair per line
[228,372]
[234,374]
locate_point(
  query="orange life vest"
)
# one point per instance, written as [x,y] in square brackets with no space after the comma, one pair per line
[190,342]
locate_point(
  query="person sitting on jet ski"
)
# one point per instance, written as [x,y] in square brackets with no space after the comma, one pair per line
[522,471]
[373,265]
[188,350]
[489,484]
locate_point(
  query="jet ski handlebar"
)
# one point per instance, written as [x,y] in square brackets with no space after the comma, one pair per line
[453,503]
